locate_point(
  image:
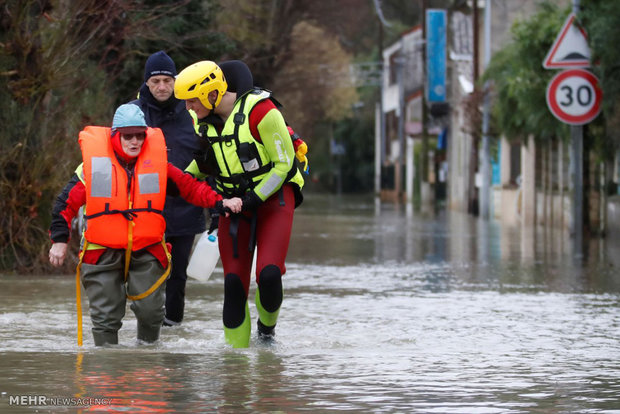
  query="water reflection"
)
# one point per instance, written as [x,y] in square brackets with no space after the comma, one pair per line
[129,387]
[360,230]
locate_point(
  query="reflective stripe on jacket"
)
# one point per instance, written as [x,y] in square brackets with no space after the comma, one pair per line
[122,212]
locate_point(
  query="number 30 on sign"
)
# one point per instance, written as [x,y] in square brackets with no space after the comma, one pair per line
[574,96]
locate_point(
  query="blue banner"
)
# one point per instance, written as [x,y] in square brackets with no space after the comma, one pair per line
[436,21]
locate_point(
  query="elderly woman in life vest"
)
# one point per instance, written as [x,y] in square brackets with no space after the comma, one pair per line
[123,182]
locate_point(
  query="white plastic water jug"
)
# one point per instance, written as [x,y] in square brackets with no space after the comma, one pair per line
[204,257]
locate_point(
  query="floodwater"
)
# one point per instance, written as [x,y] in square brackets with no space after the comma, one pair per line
[385,310]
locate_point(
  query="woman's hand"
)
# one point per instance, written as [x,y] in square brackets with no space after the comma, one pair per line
[233,204]
[58,252]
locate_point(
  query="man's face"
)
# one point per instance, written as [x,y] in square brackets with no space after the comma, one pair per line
[195,105]
[161,87]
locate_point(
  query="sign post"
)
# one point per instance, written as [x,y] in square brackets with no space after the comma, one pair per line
[436,36]
[574,97]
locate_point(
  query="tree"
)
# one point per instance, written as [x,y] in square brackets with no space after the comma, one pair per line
[520,81]
[49,88]
[183,29]
[63,65]
[600,18]
[315,84]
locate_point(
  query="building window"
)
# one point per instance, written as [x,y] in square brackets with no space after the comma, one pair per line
[393,68]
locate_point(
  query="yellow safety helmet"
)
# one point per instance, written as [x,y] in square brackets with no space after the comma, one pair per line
[198,80]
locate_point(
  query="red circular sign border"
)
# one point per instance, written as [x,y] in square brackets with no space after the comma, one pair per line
[558,112]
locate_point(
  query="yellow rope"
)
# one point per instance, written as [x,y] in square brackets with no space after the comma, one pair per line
[78,375]
[161,280]
[78,295]
[78,292]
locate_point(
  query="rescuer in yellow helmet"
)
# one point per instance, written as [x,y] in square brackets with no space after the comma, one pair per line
[247,148]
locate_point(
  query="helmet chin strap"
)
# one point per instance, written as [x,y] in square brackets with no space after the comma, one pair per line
[216,102]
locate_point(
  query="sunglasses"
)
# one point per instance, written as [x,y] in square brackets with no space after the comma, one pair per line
[140,136]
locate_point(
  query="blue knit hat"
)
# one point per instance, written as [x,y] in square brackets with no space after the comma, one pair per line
[159,63]
[129,119]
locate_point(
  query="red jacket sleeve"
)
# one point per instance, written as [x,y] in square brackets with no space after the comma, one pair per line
[192,190]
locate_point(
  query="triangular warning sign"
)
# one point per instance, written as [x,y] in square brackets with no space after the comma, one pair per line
[570,49]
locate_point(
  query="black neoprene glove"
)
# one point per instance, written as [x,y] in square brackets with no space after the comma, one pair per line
[250,201]
[219,208]
[215,220]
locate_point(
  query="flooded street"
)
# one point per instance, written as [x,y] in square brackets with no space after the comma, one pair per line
[385,310]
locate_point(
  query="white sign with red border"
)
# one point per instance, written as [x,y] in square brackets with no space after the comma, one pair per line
[570,48]
[574,96]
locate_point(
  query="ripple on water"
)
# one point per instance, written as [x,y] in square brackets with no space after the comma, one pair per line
[393,337]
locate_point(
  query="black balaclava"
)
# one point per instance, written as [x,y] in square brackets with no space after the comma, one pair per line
[238,76]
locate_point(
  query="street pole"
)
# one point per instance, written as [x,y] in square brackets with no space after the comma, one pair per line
[400,61]
[380,119]
[380,151]
[485,190]
[423,180]
[378,114]
[576,133]
[476,36]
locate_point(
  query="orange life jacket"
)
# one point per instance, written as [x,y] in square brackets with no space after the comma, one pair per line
[122,214]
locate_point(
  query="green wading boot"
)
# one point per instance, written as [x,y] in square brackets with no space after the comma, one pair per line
[266,323]
[239,337]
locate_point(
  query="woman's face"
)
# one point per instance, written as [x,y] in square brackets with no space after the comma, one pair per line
[132,143]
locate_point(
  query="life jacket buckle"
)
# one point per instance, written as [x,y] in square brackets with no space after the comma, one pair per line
[239,118]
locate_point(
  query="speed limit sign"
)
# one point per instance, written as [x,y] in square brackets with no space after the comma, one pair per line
[574,96]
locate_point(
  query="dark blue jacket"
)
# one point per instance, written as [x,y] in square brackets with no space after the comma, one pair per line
[175,122]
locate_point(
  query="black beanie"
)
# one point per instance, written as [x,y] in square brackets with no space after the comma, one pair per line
[238,76]
[159,63]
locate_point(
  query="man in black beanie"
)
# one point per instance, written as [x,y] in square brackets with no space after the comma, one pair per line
[183,220]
